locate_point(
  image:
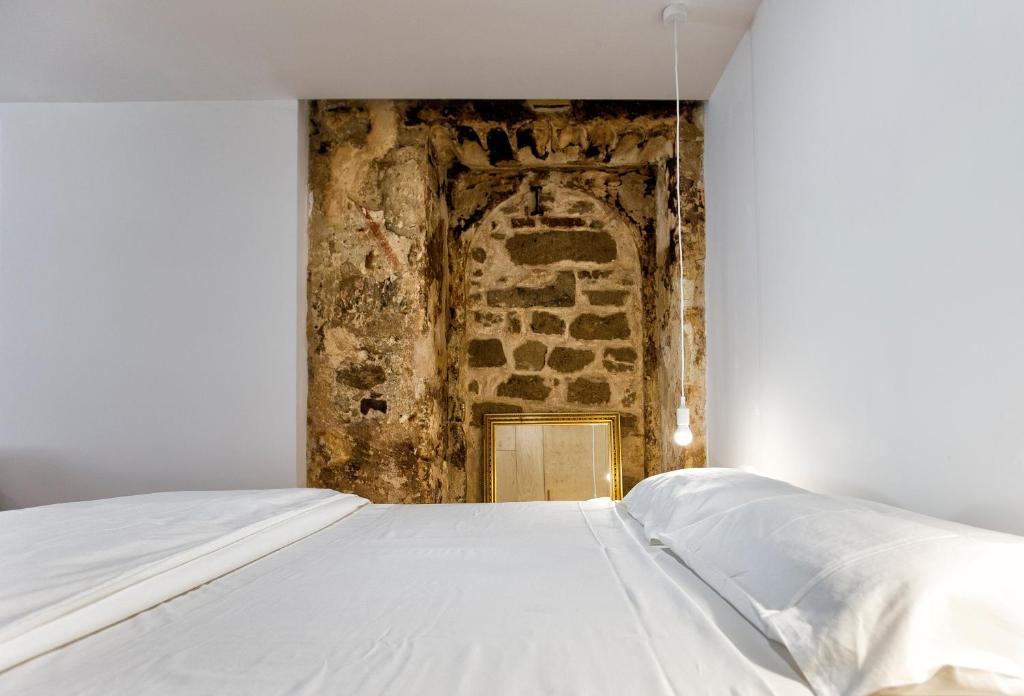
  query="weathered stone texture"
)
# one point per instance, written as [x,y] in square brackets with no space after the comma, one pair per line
[619,359]
[530,355]
[606,298]
[570,359]
[488,257]
[362,377]
[589,392]
[483,407]
[547,323]
[596,327]
[560,292]
[539,248]
[565,339]
[527,387]
[486,352]
[374,302]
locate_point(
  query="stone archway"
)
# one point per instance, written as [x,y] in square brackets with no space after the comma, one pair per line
[549,296]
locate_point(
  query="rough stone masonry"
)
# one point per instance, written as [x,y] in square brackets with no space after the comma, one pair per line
[477,257]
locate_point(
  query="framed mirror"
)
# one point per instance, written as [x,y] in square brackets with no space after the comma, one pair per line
[551,456]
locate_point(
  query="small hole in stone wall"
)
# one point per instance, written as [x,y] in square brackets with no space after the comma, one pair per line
[367,405]
[535,206]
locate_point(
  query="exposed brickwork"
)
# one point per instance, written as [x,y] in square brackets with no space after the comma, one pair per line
[565,340]
[438,223]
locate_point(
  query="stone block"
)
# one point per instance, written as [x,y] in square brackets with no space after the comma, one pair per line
[606,298]
[530,356]
[570,359]
[486,352]
[589,392]
[528,387]
[595,327]
[540,248]
[560,293]
[361,376]
[546,323]
[562,221]
[619,359]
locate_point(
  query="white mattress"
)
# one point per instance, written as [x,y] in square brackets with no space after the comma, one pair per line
[518,598]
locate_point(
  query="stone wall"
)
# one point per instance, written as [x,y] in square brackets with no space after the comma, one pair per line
[375,304]
[475,256]
[554,314]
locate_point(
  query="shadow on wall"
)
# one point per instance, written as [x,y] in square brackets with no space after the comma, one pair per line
[42,477]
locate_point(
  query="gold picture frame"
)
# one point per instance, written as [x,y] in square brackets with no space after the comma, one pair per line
[492,420]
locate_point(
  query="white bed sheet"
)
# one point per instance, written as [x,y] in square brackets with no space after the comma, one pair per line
[72,569]
[519,598]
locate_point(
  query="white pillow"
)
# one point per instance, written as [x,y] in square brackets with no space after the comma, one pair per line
[864,596]
[679,498]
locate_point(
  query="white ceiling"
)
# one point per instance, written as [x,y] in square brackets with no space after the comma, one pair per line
[115,50]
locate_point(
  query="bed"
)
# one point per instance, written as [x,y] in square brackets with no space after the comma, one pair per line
[312,592]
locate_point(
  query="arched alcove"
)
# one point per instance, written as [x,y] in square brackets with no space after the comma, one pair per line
[548,293]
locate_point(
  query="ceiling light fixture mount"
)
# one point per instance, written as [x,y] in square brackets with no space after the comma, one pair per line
[673,14]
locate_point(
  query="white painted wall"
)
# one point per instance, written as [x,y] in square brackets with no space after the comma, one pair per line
[866,253]
[151,306]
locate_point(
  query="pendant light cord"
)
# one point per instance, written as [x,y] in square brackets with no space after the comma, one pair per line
[679,223]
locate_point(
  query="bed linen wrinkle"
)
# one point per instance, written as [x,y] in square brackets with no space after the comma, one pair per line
[854,559]
[630,532]
[316,683]
[720,614]
[630,601]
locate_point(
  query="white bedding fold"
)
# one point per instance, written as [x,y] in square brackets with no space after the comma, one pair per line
[71,570]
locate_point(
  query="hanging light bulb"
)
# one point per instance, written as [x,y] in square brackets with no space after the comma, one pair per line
[676,12]
[683,435]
